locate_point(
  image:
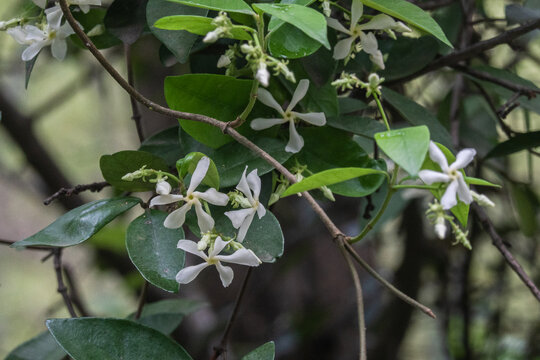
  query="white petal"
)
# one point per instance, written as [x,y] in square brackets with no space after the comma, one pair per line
[437,155]
[296,142]
[54,17]
[317,119]
[299,93]
[449,200]
[334,24]
[84,8]
[267,99]
[65,31]
[369,43]
[204,220]
[30,52]
[243,186]
[191,247]
[163,187]
[343,47]
[219,245]
[429,177]
[40,3]
[213,196]
[357,9]
[34,34]
[261,124]
[254,182]
[378,22]
[261,211]
[59,49]
[198,174]
[377,59]
[18,34]
[440,230]
[177,218]
[189,273]
[244,227]
[463,158]
[463,191]
[226,274]
[241,257]
[262,75]
[237,217]
[165,199]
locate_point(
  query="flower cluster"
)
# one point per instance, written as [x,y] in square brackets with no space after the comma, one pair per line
[260,62]
[223,28]
[350,81]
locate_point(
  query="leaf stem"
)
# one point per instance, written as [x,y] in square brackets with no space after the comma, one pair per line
[252,99]
[381,110]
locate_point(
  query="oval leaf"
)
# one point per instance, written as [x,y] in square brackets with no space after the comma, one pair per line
[152,249]
[407,147]
[263,352]
[80,224]
[199,25]
[41,347]
[189,163]
[113,339]
[480,182]
[290,42]
[329,177]
[517,143]
[164,144]
[224,5]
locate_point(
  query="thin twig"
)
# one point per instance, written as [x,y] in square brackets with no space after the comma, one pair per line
[142,300]
[67,192]
[505,128]
[10,242]
[59,279]
[509,105]
[222,347]
[499,244]
[74,293]
[134,105]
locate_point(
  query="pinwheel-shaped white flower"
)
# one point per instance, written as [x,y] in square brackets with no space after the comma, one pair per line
[241,256]
[192,198]
[296,142]
[450,174]
[357,31]
[241,219]
[52,34]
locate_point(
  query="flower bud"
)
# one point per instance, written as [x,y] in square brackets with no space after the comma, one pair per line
[482,199]
[223,61]
[211,36]
[440,228]
[163,187]
[262,75]
[327,193]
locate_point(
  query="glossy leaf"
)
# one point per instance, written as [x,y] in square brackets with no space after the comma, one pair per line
[263,352]
[113,339]
[178,43]
[188,164]
[218,96]
[480,182]
[310,21]
[517,143]
[290,42]
[115,166]
[363,126]
[165,145]
[199,25]
[411,14]
[126,19]
[152,249]
[238,6]
[41,347]
[406,55]
[407,147]
[80,224]
[329,177]
[28,68]
[417,115]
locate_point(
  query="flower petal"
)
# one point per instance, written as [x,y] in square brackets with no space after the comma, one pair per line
[165,199]
[377,59]
[237,217]
[334,24]
[177,217]
[449,200]
[369,43]
[31,52]
[343,47]
[296,142]
[437,155]
[18,34]
[219,245]
[163,187]
[242,257]
[261,211]
[59,49]
[198,174]
[299,93]
[378,22]
[267,99]
[254,182]
[261,124]
[226,274]
[463,191]
[429,177]
[213,196]
[463,158]
[244,227]
[357,9]
[317,119]
[243,186]
[191,247]
[204,220]
[188,274]
[54,17]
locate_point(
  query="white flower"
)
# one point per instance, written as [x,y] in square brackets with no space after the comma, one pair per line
[242,219]
[450,174]
[262,75]
[84,5]
[241,256]
[296,142]
[192,198]
[368,41]
[52,34]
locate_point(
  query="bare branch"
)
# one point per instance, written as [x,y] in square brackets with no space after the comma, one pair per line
[62,289]
[66,192]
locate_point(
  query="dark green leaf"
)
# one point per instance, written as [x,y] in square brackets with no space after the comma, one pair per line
[28,67]
[199,25]
[89,21]
[113,339]
[152,249]
[290,42]
[517,143]
[526,204]
[165,145]
[480,182]
[364,126]
[238,6]
[263,352]
[115,166]
[41,347]
[406,56]
[126,19]
[189,163]
[81,223]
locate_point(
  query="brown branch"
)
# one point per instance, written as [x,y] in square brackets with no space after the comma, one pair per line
[509,105]
[505,128]
[142,300]
[62,289]
[74,293]
[66,192]
[134,105]
[499,244]
[40,248]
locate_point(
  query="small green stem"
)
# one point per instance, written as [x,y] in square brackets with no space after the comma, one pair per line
[252,99]
[171,176]
[207,208]
[425,187]
[381,110]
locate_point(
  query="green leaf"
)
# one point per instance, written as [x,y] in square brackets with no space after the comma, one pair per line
[310,21]
[481,182]
[526,204]
[189,163]
[152,249]
[263,352]
[115,166]
[329,177]
[238,6]
[517,143]
[93,18]
[218,96]
[407,147]
[165,145]
[290,42]
[113,339]
[199,25]
[126,19]
[411,14]
[359,125]
[178,42]
[166,315]
[417,115]
[80,224]
[28,67]
[407,56]
[41,347]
